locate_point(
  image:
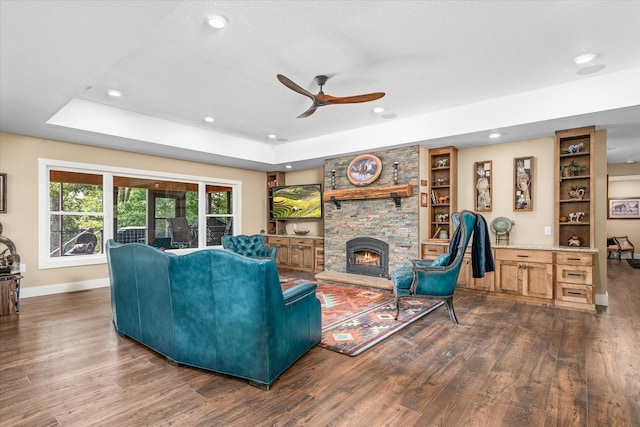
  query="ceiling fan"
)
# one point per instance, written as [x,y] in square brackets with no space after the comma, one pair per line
[320,99]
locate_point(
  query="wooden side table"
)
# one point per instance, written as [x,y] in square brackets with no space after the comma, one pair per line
[9,293]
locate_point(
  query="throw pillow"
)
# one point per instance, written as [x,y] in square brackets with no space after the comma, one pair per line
[441,261]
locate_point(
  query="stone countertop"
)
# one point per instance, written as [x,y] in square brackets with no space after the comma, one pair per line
[526,246]
[297,236]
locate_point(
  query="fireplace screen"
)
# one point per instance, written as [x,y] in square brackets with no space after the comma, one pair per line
[368,256]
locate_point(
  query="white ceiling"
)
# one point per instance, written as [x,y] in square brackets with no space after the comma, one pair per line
[452,71]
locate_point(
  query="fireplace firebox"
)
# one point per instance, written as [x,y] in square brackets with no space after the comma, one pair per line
[368,256]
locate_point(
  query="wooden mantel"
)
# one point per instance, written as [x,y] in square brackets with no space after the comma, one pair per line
[395,192]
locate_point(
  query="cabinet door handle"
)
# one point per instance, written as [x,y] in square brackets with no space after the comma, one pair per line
[574,274]
[522,256]
[574,259]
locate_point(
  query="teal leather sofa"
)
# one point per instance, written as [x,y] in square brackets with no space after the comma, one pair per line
[212,309]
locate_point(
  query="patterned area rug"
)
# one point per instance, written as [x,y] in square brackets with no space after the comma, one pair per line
[356,319]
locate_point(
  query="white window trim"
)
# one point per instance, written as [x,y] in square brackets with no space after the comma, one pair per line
[44,165]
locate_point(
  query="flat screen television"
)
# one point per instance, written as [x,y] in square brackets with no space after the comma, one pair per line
[296,202]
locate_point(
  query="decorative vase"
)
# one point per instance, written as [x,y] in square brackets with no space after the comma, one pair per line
[444,234]
[574,241]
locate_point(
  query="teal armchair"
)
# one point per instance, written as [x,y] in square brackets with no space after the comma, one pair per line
[252,246]
[436,279]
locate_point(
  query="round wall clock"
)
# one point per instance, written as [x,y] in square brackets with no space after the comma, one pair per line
[364,169]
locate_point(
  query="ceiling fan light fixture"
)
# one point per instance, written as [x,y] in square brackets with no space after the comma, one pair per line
[216,21]
[583,59]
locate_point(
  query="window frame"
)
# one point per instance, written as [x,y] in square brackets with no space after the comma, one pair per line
[108,172]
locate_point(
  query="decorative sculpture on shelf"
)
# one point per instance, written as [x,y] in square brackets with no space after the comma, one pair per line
[574,241]
[576,216]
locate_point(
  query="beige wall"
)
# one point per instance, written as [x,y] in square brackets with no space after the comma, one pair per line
[529,226]
[19,160]
[308,176]
[19,154]
[624,181]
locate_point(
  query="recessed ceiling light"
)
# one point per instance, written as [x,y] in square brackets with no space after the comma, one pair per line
[494,135]
[288,166]
[630,161]
[583,59]
[379,110]
[113,92]
[216,21]
[209,119]
[272,136]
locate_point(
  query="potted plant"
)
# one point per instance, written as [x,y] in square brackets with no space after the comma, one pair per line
[575,169]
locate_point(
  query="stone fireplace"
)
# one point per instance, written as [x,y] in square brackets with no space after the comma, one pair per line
[381,219]
[368,256]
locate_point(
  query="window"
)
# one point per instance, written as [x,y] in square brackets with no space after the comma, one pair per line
[89,204]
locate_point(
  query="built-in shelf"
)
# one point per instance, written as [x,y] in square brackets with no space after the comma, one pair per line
[395,192]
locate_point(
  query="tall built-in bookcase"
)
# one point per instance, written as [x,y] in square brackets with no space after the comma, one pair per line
[443,186]
[274,226]
[575,184]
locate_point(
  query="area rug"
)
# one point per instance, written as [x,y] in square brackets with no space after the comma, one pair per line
[635,263]
[355,319]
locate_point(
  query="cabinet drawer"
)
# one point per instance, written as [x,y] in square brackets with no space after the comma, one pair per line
[574,293]
[429,251]
[278,240]
[573,258]
[524,255]
[301,242]
[582,275]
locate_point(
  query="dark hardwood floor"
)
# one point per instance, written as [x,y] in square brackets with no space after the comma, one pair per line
[505,364]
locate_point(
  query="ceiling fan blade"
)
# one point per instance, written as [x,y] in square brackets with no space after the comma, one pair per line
[309,112]
[294,87]
[354,99]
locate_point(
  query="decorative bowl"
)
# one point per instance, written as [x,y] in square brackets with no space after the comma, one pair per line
[301,232]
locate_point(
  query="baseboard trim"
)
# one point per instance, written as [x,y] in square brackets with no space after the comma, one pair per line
[60,288]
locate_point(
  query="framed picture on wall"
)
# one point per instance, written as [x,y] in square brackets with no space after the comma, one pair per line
[624,208]
[364,169]
[424,200]
[523,184]
[482,184]
[3,193]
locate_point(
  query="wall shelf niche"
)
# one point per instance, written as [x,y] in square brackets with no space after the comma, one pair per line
[575,182]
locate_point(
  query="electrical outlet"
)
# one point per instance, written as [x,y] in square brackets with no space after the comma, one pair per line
[23,268]
[547,230]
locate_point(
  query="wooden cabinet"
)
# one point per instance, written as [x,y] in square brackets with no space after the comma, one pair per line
[274,179]
[575,183]
[443,183]
[298,253]
[574,280]
[301,254]
[564,277]
[466,279]
[432,251]
[524,272]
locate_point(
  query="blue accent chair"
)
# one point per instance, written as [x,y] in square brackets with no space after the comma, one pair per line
[212,309]
[252,246]
[436,279]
